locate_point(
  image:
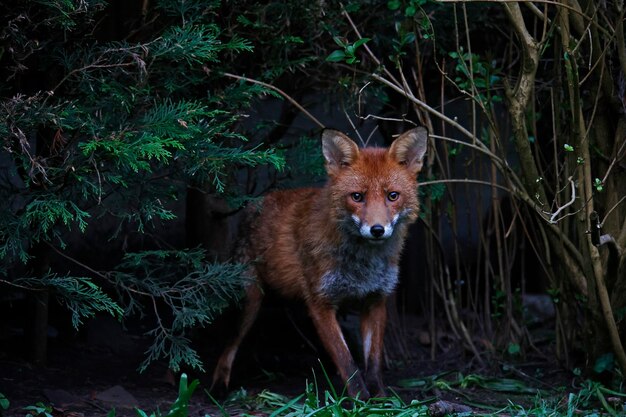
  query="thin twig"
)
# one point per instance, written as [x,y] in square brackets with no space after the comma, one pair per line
[423,105]
[388,119]
[371,134]
[345,112]
[621,200]
[467,181]
[93,271]
[615,159]
[13,284]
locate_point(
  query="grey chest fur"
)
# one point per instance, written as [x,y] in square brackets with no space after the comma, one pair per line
[359,275]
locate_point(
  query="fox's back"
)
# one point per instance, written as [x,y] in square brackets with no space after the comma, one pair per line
[276,239]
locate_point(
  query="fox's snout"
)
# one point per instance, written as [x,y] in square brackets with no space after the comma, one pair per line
[376,231]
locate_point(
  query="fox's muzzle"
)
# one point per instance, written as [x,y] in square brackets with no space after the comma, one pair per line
[376,231]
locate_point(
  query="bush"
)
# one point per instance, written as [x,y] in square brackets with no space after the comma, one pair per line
[111,112]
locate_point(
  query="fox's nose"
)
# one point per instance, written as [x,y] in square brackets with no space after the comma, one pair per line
[377,230]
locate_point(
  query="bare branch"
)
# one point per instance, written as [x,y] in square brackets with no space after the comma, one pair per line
[553,218]
[279,91]
[467,181]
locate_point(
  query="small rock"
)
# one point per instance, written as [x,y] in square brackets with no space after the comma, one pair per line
[117,396]
[442,408]
[61,398]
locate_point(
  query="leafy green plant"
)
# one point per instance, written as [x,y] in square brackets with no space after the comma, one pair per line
[411,8]
[597,183]
[38,410]
[514,349]
[604,363]
[348,51]
[477,76]
[4,404]
[180,407]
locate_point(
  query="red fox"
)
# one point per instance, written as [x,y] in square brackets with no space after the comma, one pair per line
[334,244]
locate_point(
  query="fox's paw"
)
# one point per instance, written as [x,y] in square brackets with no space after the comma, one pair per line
[357,388]
[375,385]
[219,391]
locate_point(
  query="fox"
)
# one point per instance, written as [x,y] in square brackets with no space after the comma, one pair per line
[337,244]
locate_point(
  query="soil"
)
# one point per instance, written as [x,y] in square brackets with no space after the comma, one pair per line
[91,372]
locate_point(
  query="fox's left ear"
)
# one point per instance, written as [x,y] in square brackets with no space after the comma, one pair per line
[409,148]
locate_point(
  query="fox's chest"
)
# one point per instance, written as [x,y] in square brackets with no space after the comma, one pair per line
[359,278]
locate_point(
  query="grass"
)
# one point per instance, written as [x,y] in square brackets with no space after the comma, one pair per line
[592,399]
[589,399]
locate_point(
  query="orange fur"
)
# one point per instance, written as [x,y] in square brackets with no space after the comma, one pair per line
[334,244]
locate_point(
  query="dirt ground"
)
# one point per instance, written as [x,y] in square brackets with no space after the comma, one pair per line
[94,371]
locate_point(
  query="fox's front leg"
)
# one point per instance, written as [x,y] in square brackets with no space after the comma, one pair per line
[373,320]
[324,318]
[252,304]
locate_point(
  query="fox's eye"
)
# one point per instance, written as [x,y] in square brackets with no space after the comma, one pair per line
[357,197]
[393,196]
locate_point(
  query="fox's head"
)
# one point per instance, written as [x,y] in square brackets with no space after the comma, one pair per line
[374,190]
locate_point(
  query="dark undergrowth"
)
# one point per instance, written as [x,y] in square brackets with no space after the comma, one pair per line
[465,395]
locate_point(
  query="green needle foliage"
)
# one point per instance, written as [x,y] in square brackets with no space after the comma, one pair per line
[107,119]
[79,294]
[194,293]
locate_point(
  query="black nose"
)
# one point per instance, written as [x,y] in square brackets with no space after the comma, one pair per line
[377,230]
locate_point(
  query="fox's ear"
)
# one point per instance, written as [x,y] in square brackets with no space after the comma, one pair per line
[338,149]
[409,148]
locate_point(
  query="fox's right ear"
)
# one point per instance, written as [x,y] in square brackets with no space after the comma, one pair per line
[338,149]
